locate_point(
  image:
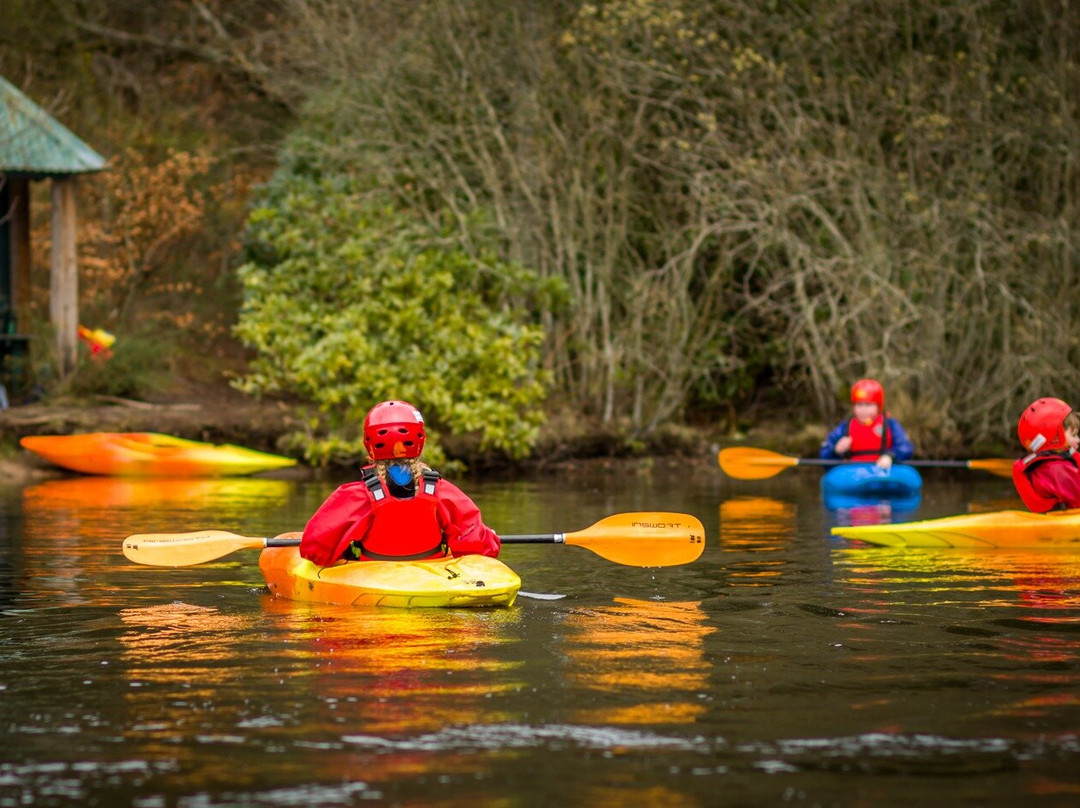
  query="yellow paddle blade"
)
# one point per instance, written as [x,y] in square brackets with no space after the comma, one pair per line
[646,539]
[1001,466]
[748,463]
[186,549]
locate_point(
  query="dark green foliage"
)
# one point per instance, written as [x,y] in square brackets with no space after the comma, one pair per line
[351,299]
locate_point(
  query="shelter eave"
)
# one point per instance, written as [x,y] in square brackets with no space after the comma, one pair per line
[33,143]
[42,174]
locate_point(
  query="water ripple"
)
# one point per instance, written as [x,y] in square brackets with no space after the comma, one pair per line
[856,747]
[518,736]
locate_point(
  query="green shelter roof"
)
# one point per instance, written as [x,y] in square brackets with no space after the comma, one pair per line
[34,143]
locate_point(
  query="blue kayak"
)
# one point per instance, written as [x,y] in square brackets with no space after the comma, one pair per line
[865,480]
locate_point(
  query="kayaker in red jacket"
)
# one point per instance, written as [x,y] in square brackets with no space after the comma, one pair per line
[401,509]
[872,435]
[1048,477]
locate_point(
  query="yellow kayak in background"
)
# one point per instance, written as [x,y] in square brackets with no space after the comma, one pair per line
[1017,529]
[468,581]
[149,454]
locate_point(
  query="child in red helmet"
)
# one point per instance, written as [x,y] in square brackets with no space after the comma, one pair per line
[871,436]
[400,510]
[1048,477]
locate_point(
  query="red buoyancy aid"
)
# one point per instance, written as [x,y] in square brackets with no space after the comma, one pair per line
[869,441]
[1036,502]
[402,529]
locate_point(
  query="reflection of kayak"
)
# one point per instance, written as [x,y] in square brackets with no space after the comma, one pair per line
[1045,578]
[148,454]
[231,496]
[756,523]
[997,529]
[867,480]
[893,505]
[874,511]
[471,580]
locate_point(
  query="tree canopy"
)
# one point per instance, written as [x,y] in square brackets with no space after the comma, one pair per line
[721,204]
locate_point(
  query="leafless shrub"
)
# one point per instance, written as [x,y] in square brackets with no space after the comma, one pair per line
[725,190]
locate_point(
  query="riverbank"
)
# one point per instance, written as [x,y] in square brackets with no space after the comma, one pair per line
[220,418]
[211,415]
[218,414]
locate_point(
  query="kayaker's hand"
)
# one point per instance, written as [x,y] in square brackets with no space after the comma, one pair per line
[842,445]
[884,462]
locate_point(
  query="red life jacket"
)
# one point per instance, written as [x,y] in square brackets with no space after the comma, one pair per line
[402,529]
[868,441]
[1036,502]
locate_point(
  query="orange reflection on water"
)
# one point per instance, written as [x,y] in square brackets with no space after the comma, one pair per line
[181,662]
[159,638]
[1012,614]
[347,682]
[73,527]
[419,669]
[1037,579]
[756,523]
[759,525]
[615,797]
[1043,586]
[1043,785]
[94,493]
[1037,706]
[650,650]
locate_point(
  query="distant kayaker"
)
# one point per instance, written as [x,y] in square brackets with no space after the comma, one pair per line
[872,435]
[1048,478]
[400,510]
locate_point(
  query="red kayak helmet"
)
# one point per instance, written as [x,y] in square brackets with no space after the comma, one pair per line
[1040,428]
[394,429]
[868,390]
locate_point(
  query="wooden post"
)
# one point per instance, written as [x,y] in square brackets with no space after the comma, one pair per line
[64,275]
[20,252]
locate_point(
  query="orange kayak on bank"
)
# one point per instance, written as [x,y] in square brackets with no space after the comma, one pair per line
[149,454]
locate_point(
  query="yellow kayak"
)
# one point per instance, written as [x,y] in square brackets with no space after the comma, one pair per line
[471,580]
[149,454]
[1019,529]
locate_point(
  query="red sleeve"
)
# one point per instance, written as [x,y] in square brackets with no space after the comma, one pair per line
[462,526]
[1057,480]
[346,515]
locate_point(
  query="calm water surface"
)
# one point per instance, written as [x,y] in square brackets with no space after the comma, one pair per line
[784,667]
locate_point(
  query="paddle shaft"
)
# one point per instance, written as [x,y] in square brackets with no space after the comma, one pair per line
[748,463]
[525,538]
[280,542]
[939,464]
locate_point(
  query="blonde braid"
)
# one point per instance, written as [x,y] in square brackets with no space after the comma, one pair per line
[416,468]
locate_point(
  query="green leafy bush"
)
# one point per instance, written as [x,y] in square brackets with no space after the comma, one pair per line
[350,299]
